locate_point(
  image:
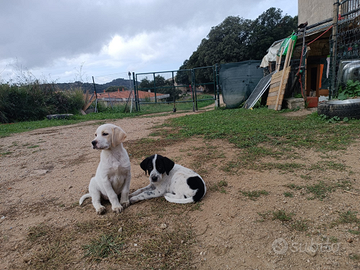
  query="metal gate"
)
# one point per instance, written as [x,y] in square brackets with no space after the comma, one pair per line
[167,87]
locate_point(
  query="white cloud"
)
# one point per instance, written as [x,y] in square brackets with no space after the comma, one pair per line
[56,38]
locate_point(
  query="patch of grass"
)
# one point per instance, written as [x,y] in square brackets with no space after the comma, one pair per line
[354,232]
[230,167]
[306,177]
[6,153]
[300,225]
[105,246]
[344,184]
[328,165]
[276,215]
[289,194]
[135,240]
[354,257]
[36,232]
[282,216]
[219,186]
[33,146]
[255,194]
[346,217]
[319,190]
[333,239]
[293,186]
[270,128]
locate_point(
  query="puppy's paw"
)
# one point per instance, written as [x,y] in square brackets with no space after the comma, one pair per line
[117,209]
[125,204]
[101,210]
[132,200]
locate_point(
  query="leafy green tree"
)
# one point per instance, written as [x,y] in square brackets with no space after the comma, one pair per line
[237,39]
[270,26]
[161,85]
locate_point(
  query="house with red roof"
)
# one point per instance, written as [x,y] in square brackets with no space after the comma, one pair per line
[125,95]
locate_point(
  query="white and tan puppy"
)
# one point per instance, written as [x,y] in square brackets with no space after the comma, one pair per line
[113,174]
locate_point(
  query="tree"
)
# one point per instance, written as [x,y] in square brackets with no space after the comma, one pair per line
[237,39]
[161,85]
[270,26]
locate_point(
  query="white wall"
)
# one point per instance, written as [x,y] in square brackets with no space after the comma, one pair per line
[313,11]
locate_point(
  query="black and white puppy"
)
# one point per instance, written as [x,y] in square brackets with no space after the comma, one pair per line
[173,181]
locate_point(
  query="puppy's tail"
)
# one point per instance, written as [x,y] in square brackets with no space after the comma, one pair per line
[84,197]
[173,200]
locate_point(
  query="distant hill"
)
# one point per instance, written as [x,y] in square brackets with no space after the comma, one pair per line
[120,82]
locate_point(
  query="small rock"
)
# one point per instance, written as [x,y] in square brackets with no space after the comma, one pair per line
[120,229]
[350,240]
[163,226]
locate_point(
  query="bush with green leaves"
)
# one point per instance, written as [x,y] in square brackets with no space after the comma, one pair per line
[35,101]
[352,89]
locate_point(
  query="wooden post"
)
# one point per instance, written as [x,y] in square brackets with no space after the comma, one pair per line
[334,51]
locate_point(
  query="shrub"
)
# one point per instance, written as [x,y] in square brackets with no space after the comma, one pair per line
[35,101]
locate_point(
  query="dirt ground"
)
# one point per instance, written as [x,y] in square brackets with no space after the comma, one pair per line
[44,172]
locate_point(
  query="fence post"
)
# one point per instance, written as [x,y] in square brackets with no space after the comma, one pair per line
[155,87]
[192,87]
[334,49]
[136,93]
[216,87]
[96,99]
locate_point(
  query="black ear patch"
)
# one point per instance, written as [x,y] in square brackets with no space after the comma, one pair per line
[164,164]
[146,164]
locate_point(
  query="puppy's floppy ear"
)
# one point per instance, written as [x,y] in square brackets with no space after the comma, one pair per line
[168,164]
[145,164]
[118,136]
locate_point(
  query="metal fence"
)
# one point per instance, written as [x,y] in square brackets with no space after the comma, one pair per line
[169,91]
[345,40]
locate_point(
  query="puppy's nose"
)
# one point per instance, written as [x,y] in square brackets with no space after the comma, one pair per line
[154,178]
[94,143]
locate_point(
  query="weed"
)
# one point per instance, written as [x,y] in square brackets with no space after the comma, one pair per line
[354,257]
[349,217]
[289,194]
[282,215]
[230,167]
[319,190]
[253,195]
[300,225]
[33,146]
[219,186]
[36,232]
[306,177]
[293,186]
[333,239]
[103,247]
[346,217]
[354,232]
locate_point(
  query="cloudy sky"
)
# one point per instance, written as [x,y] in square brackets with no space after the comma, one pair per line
[68,40]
